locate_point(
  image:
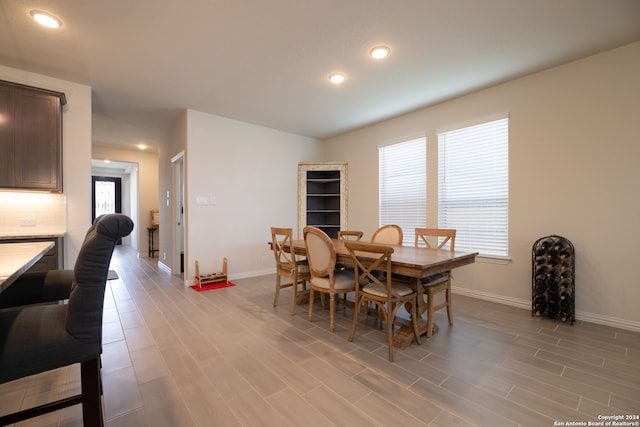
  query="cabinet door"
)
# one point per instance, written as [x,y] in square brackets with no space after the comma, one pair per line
[37,140]
[7,155]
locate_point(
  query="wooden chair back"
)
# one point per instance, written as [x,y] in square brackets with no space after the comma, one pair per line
[423,235]
[390,234]
[321,253]
[369,259]
[281,237]
[350,235]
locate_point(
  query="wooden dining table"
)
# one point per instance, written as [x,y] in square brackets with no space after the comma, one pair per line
[16,258]
[413,264]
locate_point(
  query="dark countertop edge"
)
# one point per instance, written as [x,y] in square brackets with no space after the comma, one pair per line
[32,236]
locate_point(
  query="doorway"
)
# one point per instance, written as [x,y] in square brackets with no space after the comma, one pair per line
[176,204]
[127,172]
[106,197]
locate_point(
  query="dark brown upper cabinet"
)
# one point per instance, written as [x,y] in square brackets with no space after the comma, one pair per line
[30,137]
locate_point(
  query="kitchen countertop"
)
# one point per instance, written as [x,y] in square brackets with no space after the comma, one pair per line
[18,257]
[32,235]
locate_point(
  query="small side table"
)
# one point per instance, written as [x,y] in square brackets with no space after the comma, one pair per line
[152,250]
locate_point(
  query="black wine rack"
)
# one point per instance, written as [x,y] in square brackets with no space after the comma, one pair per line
[553,277]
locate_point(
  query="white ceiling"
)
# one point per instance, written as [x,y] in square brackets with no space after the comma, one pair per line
[267,61]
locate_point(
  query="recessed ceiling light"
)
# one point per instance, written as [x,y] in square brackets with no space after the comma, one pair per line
[336,78]
[46,19]
[141,146]
[107,161]
[379,52]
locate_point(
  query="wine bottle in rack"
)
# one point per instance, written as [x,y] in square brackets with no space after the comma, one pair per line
[566,253]
[540,284]
[553,303]
[564,308]
[539,305]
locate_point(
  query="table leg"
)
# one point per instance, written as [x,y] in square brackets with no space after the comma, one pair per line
[404,335]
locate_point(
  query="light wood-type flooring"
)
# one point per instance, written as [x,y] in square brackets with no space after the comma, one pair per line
[175,357]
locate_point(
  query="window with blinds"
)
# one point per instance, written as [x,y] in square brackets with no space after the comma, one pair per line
[473,186]
[403,186]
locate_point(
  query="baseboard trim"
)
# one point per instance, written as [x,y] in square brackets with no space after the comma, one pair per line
[500,299]
[246,275]
[609,321]
[520,303]
[164,267]
[256,273]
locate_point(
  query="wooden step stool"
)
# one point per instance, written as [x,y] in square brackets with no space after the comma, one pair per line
[203,279]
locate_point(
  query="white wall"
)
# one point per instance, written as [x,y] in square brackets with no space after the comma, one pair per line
[76,156]
[147,185]
[574,171]
[176,144]
[248,176]
[48,209]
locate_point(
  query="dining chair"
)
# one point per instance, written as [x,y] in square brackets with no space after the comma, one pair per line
[350,235]
[288,266]
[321,255]
[390,234]
[368,259]
[440,282]
[39,338]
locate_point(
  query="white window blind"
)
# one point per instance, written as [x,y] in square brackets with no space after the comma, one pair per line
[403,186]
[473,186]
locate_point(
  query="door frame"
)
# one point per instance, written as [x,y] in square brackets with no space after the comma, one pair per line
[178,209]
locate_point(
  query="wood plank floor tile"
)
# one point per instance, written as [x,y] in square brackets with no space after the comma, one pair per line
[337,410]
[460,406]
[399,395]
[296,411]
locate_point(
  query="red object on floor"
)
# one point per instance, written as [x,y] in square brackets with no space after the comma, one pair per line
[209,286]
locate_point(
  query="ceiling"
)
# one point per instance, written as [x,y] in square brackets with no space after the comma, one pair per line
[267,61]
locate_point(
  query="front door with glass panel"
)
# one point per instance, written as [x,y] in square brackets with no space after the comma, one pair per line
[106,194]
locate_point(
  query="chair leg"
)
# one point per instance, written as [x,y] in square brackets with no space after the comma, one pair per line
[356,312]
[429,313]
[294,291]
[332,309]
[91,393]
[449,304]
[90,398]
[390,315]
[275,298]
[310,303]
